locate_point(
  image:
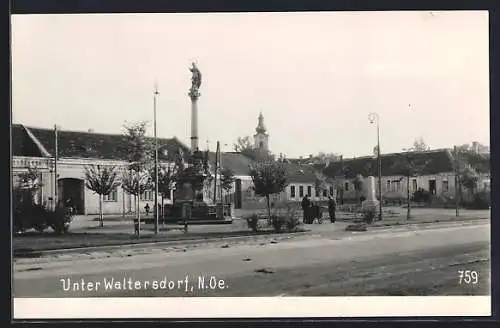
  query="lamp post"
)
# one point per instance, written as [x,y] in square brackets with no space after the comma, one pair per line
[155,94]
[374,118]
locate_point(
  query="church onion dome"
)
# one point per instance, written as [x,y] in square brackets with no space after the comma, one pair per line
[261,129]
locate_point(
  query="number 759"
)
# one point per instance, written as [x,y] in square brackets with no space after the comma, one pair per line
[468,277]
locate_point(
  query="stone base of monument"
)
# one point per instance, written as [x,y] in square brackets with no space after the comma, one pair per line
[201,213]
[370,204]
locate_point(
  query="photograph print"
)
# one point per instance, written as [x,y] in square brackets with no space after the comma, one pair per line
[210,158]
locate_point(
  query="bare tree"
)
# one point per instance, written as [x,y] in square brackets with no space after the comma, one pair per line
[245,147]
[419,145]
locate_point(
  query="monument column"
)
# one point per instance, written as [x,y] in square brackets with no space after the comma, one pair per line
[194,94]
[194,121]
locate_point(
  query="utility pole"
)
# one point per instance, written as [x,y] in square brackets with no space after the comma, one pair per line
[56,186]
[220,171]
[374,118]
[216,169]
[157,226]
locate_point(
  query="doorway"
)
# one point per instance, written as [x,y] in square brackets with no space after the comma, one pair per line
[432,187]
[74,190]
[237,200]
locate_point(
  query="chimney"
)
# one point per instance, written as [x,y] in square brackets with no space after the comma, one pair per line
[310,156]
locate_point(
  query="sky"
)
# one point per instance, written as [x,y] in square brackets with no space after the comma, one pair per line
[315,76]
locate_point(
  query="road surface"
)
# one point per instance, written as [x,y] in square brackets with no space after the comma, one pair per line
[407,261]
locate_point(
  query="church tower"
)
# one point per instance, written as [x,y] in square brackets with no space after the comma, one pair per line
[261,138]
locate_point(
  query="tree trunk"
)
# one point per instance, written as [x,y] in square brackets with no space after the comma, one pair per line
[163,209]
[139,215]
[457,198]
[101,216]
[268,207]
[408,198]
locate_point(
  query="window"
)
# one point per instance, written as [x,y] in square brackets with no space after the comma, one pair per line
[397,185]
[388,185]
[346,186]
[261,144]
[301,191]
[415,186]
[331,191]
[309,191]
[325,192]
[112,197]
[317,192]
[445,186]
[292,191]
[148,195]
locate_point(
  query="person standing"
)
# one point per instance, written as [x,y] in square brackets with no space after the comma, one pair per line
[332,206]
[306,203]
[146,208]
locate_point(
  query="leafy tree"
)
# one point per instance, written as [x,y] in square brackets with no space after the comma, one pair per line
[102,180]
[135,183]
[140,152]
[358,185]
[320,184]
[466,165]
[227,179]
[29,184]
[167,176]
[268,178]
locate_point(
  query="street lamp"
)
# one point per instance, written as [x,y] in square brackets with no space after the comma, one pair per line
[374,118]
[56,151]
[155,94]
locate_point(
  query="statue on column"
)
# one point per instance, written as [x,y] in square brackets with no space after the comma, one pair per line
[195,79]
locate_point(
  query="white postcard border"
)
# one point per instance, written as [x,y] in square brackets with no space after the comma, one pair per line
[250,307]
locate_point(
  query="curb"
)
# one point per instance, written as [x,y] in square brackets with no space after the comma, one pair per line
[429,222]
[139,245]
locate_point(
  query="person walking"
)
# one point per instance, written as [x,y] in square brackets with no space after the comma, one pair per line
[332,206]
[146,208]
[306,203]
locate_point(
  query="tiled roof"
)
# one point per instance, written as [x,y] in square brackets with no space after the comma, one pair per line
[300,173]
[85,144]
[438,161]
[238,163]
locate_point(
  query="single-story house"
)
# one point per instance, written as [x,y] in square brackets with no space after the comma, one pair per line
[435,174]
[35,147]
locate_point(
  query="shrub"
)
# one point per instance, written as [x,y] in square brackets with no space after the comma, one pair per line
[59,220]
[292,223]
[480,201]
[29,216]
[253,222]
[446,201]
[421,196]
[278,222]
[32,216]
